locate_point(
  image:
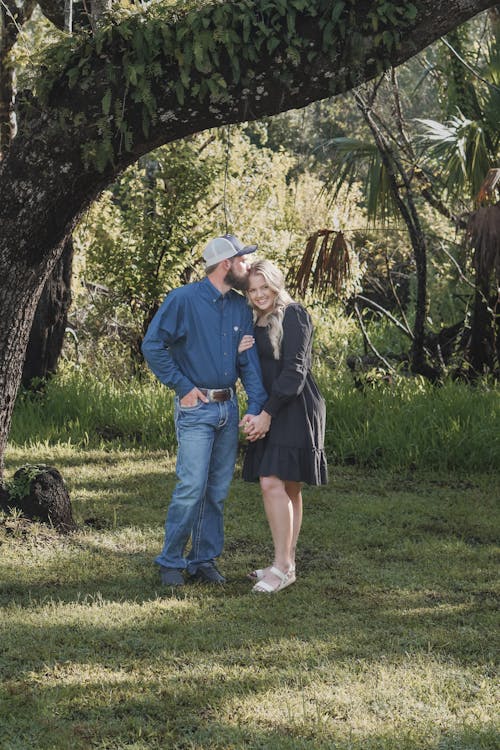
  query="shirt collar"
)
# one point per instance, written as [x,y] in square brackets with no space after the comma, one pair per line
[210,291]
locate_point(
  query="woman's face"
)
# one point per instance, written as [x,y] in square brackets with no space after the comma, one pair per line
[261,295]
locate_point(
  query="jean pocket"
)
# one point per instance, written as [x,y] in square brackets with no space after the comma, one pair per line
[197,406]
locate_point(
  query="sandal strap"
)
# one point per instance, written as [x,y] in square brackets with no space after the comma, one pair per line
[264,587]
[278,573]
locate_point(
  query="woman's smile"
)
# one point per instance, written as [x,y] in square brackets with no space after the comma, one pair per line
[260,293]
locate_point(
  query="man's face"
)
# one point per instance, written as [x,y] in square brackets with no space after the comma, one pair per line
[237,275]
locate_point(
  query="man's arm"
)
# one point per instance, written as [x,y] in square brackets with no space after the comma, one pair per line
[166,328]
[250,372]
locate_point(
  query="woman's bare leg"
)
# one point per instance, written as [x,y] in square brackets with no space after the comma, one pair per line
[294,492]
[279,512]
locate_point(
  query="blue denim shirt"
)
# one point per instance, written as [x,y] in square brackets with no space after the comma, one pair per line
[193,341]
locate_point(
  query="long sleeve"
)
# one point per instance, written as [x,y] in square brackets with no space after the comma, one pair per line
[296,359]
[165,330]
[250,373]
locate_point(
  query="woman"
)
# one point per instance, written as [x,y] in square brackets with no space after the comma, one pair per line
[292,420]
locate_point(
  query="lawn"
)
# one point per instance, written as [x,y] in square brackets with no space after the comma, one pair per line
[386,641]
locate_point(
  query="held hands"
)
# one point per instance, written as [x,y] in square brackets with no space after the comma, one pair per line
[255,427]
[191,398]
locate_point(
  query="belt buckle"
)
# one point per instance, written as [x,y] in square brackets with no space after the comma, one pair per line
[210,394]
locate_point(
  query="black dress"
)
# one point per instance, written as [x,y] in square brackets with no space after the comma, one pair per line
[293,449]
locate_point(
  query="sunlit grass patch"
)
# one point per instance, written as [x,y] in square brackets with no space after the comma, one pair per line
[386,641]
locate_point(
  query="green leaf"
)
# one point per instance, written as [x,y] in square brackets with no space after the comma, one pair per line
[73,74]
[411,12]
[327,35]
[388,39]
[337,11]
[179,91]
[272,44]
[132,76]
[106,102]
[185,77]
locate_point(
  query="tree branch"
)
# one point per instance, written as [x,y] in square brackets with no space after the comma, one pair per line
[387,314]
[368,340]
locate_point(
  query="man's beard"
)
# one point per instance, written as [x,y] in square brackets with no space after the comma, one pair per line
[236,282]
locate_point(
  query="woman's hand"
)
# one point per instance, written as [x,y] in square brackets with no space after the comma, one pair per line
[256,427]
[246,342]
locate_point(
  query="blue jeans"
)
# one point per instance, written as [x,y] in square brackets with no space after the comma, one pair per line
[207,437]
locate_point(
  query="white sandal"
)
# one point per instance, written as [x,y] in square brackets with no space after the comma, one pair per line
[258,575]
[285,579]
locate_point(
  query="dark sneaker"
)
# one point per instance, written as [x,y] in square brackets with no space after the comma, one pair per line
[171,576]
[208,573]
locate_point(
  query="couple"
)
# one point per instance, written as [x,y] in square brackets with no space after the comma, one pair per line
[201,340]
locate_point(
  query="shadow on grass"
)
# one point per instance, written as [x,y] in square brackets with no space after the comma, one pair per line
[174,717]
[122,615]
[388,576]
[201,711]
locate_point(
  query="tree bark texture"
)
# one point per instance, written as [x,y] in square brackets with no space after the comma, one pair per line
[484,347]
[45,185]
[49,325]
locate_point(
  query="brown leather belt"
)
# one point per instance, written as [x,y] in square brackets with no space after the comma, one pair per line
[217,394]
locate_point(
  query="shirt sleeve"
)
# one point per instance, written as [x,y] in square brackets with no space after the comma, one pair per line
[296,348]
[167,328]
[250,373]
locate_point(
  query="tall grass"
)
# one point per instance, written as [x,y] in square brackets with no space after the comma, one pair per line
[79,408]
[410,423]
[405,424]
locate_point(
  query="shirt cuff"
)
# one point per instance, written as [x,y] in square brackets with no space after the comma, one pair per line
[272,405]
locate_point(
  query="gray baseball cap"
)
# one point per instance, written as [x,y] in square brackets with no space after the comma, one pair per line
[222,248]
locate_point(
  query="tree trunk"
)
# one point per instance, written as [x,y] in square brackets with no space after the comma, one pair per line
[47,332]
[401,189]
[485,330]
[99,10]
[45,186]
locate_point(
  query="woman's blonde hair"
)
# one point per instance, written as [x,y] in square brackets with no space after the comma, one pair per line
[274,319]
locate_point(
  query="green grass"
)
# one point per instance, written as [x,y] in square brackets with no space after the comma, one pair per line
[411,424]
[386,642]
[404,425]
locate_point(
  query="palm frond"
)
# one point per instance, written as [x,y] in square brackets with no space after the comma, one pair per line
[360,161]
[325,264]
[463,147]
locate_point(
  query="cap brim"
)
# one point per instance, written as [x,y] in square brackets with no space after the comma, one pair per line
[247,250]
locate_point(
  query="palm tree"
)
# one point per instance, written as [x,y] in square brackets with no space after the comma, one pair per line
[446,165]
[384,165]
[466,151]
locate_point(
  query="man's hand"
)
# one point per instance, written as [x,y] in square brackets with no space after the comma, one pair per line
[191,398]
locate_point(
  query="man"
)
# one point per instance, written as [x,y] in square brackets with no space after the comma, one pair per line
[192,346]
